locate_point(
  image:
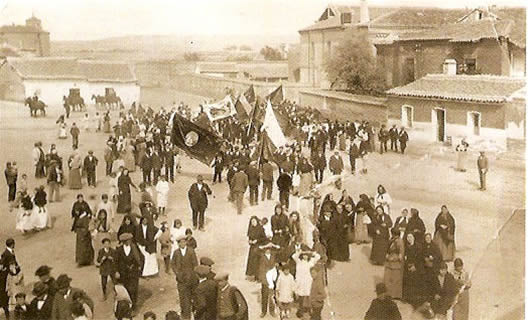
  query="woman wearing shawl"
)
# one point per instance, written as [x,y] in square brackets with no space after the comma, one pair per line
[328,205]
[416,226]
[393,275]
[444,236]
[413,272]
[256,237]
[84,252]
[126,227]
[338,249]
[380,243]
[124,200]
[431,252]
[296,233]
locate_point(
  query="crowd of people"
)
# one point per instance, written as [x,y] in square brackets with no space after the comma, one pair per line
[290,252]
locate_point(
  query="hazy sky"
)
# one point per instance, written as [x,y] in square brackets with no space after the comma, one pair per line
[93,19]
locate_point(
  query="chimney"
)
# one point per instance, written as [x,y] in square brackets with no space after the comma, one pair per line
[363,12]
[450,67]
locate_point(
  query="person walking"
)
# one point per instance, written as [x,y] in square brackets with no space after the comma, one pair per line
[63,300]
[353,154]
[198,200]
[75,132]
[218,166]
[162,194]
[108,158]
[183,263]
[403,137]
[383,137]
[106,264]
[483,167]
[39,159]
[205,295]
[54,181]
[90,167]
[253,181]
[239,184]
[11,175]
[284,183]
[267,180]
[393,136]
[129,263]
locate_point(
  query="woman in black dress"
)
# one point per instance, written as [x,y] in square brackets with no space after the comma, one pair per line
[124,200]
[126,227]
[256,237]
[339,250]
[431,252]
[416,226]
[328,205]
[380,244]
[413,272]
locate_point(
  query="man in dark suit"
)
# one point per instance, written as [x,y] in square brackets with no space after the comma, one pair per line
[253,182]
[157,163]
[90,166]
[44,275]
[106,264]
[403,137]
[267,180]
[482,164]
[41,306]
[183,263]
[63,300]
[266,263]
[129,263]
[168,159]
[7,258]
[204,302]
[198,200]
[284,183]
[393,135]
[146,168]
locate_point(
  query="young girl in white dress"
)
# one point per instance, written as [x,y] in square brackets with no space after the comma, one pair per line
[162,190]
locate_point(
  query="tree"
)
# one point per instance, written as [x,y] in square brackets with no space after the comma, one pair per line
[191,56]
[270,53]
[354,64]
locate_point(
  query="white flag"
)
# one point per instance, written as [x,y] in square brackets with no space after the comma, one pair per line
[272,127]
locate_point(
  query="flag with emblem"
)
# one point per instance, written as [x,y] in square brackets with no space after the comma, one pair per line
[197,142]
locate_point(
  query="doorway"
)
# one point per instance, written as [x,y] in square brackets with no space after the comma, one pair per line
[474,123]
[407,116]
[440,124]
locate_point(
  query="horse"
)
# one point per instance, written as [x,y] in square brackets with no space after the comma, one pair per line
[74,102]
[35,106]
[99,100]
[113,101]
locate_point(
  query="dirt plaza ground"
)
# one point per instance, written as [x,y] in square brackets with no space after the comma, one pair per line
[411,180]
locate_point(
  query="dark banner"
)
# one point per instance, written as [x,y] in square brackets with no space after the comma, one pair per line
[197,142]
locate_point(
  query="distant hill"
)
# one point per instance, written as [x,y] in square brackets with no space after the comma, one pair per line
[162,46]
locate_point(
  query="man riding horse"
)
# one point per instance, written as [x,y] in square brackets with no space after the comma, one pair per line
[35,105]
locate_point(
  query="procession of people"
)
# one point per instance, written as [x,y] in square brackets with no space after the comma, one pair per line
[291,250]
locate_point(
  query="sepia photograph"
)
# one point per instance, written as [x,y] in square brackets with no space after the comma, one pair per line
[262,159]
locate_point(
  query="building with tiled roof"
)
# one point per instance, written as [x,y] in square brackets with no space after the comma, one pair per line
[484,109]
[29,39]
[54,77]
[480,42]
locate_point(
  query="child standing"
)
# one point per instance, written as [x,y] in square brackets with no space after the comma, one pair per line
[191,242]
[285,289]
[105,263]
[40,199]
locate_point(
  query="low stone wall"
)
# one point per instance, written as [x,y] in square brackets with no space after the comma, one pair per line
[215,87]
[343,106]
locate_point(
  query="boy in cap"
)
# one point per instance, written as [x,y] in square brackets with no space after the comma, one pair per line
[129,264]
[63,300]
[183,263]
[208,262]
[106,264]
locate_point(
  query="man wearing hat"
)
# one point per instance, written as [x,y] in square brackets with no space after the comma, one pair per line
[183,263]
[54,179]
[231,304]
[129,264]
[208,262]
[90,166]
[239,184]
[197,194]
[41,306]
[204,303]
[43,273]
[482,164]
[63,300]
[267,262]
[382,308]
